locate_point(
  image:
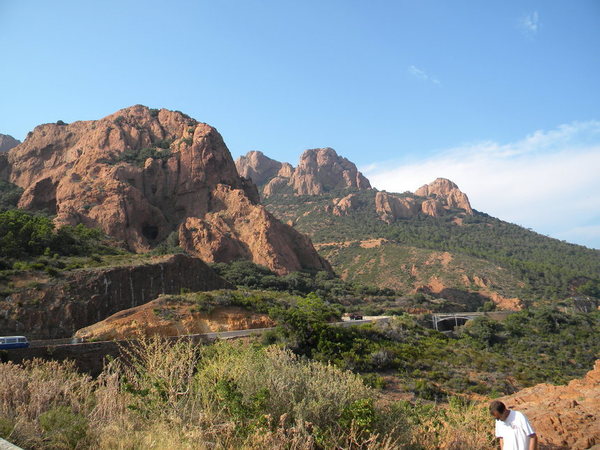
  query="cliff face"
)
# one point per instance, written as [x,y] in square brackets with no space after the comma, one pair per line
[237,229]
[563,416]
[84,297]
[138,175]
[319,170]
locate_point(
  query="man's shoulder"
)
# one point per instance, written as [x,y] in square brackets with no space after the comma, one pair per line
[519,415]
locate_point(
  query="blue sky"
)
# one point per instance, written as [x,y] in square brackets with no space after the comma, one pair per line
[389,84]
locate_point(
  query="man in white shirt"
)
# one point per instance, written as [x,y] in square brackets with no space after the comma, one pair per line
[512,428]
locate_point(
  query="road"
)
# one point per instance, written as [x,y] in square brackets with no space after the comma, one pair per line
[215,335]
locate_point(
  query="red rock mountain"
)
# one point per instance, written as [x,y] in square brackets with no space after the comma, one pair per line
[140,174]
[319,170]
[323,170]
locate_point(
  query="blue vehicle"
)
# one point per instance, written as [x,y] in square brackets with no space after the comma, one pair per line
[8,342]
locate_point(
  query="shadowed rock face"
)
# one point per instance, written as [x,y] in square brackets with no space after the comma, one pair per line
[84,297]
[7,142]
[139,174]
[258,167]
[319,170]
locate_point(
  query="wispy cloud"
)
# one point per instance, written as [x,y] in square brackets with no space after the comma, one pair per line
[422,75]
[547,181]
[530,23]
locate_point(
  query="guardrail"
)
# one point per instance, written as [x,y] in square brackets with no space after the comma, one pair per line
[5,445]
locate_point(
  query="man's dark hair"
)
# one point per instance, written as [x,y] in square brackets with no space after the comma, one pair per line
[497,406]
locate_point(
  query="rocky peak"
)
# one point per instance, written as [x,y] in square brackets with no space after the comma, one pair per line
[140,174]
[7,142]
[319,170]
[257,167]
[448,192]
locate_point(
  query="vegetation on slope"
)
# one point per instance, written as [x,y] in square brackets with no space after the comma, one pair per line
[486,357]
[230,395]
[548,267]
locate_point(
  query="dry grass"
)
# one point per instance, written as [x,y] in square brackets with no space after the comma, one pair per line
[232,395]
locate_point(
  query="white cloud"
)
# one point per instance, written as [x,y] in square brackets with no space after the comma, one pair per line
[548,181]
[421,74]
[530,23]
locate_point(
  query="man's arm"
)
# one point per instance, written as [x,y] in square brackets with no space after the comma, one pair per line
[501,443]
[533,442]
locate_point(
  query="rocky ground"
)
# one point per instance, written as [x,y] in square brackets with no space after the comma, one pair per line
[167,317]
[564,417]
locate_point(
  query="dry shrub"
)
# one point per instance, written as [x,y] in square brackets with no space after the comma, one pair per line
[458,425]
[36,388]
[299,389]
[164,395]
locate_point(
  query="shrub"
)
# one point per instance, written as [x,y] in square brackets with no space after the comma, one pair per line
[63,428]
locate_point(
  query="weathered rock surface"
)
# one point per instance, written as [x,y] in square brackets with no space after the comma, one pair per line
[86,296]
[391,207]
[236,228]
[166,316]
[448,192]
[258,167]
[7,142]
[322,170]
[563,417]
[436,199]
[319,170]
[139,174]
[345,205]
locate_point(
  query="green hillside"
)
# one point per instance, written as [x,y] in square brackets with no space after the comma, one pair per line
[529,265]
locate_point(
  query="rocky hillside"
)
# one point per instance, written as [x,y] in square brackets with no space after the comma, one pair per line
[466,283]
[564,417]
[515,263]
[173,316]
[7,142]
[142,174]
[57,307]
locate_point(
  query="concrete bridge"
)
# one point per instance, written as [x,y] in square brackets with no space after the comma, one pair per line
[449,321]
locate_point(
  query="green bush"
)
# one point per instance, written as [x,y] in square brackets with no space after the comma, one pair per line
[6,426]
[62,427]
[23,234]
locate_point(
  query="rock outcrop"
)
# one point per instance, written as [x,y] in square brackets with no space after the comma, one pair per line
[345,205]
[141,174]
[563,417]
[258,167]
[166,316]
[319,170]
[391,207]
[238,229]
[7,142]
[323,170]
[446,191]
[86,296]
[439,198]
